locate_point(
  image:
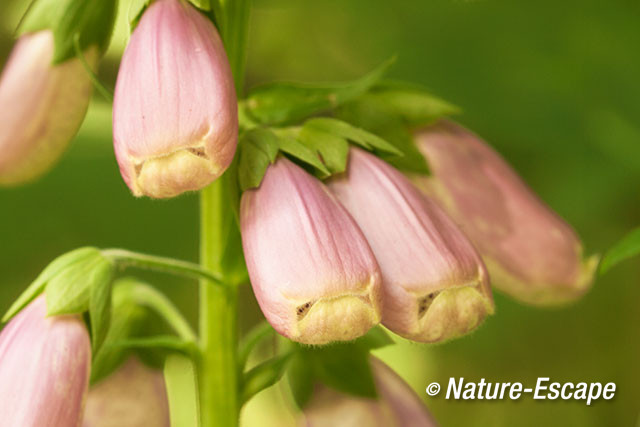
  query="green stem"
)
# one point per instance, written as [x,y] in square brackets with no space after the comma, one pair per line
[219,404]
[127,258]
[106,93]
[158,302]
[218,363]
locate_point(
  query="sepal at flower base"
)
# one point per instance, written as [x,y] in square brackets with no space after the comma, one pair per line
[75,282]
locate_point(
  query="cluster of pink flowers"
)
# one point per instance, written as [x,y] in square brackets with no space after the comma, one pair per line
[327,260]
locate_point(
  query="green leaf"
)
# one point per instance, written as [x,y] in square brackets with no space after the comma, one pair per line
[136,10]
[91,21]
[359,136]
[204,5]
[301,379]
[182,391]
[126,320]
[165,342]
[69,291]
[412,102]
[372,114]
[333,149]
[282,103]
[375,338]
[256,335]
[100,312]
[258,149]
[145,295]
[292,146]
[626,248]
[344,367]
[263,376]
[58,265]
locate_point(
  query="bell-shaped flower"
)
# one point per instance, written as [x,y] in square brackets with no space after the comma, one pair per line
[175,118]
[133,396]
[311,268]
[44,369]
[434,283]
[41,106]
[530,252]
[397,405]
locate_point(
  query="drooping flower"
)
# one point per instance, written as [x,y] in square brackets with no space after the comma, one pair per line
[175,118]
[133,396]
[44,369]
[530,252]
[434,282]
[311,268]
[41,106]
[397,405]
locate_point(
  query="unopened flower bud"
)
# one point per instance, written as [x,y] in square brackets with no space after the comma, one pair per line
[41,106]
[397,405]
[311,268]
[44,369]
[435,285]
[175,119]
[530,252]
[133,396]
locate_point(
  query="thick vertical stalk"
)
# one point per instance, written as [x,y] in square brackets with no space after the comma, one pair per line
[218,319]
[218,364]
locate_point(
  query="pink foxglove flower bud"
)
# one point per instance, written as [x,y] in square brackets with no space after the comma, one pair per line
[41,107]
[133,396]
[435,285]
[397,405]
[531,253]
[175,119]
[44,369]
[311,268]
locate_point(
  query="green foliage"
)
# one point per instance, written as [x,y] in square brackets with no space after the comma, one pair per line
[263,376]
[626,248]
[344,367]
[411,102]
[126,320]
[258,149]
[59,265]
[321,143]
[100,312]
[69,291]
[286,103]
[182,391]
[90,21]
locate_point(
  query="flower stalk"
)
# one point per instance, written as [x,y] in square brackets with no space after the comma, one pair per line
[217,367]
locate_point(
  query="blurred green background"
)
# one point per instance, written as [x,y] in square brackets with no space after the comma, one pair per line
[553,85]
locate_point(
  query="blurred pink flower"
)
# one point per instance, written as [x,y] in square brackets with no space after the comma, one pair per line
[41,107]
[175,118]
[133,396]
[397,405]
[531,253]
